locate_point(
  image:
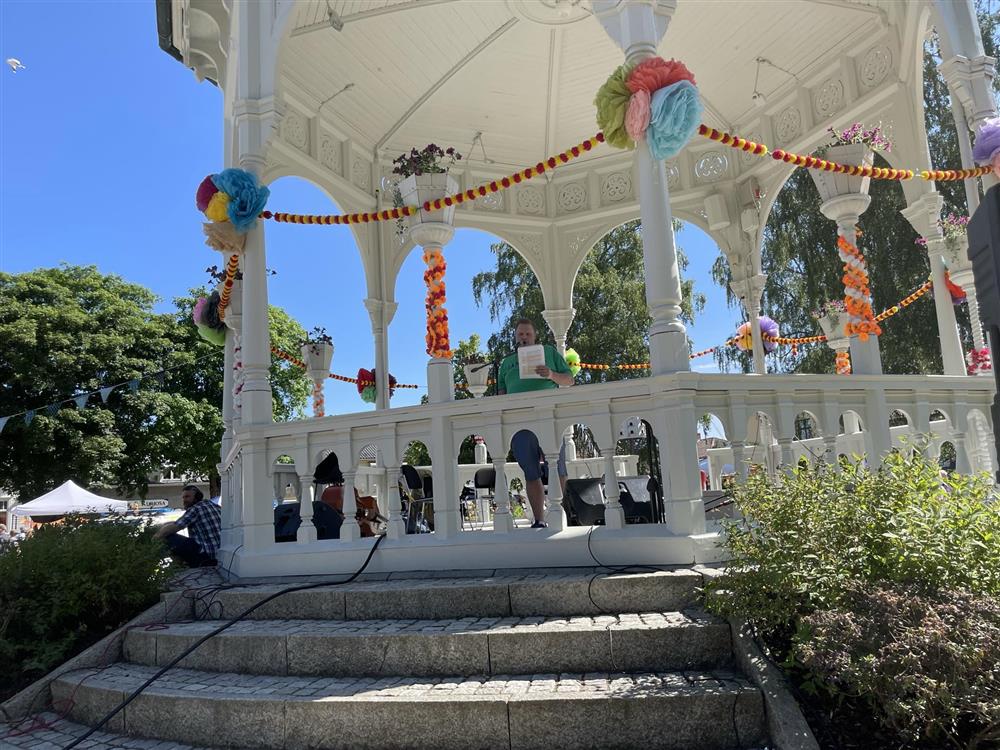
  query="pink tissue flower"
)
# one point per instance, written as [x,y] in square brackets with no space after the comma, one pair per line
[637,115]
[655,73]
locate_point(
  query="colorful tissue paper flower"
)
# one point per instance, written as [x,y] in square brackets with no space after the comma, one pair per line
[637,115]
[206,190]
[656,73]
[769,330]
[198,311]
[246,198]
[957,293]
[611,101]
[218,207]
[216,336]
[744,338]
[573,360]
[987,147]
[675,112]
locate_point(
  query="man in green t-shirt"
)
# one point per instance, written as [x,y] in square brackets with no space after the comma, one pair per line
[554,373]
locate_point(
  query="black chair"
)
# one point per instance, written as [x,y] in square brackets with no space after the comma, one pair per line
[287,520]
[636,500]
[326,520]
[416,505]
[584,502]
[486,479]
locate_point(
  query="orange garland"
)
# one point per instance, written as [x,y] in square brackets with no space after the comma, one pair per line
[232,265]
[471,194]
[843,363]
[814,162]
[857,295]
[437,316]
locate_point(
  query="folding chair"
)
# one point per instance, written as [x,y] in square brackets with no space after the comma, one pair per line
[416,505]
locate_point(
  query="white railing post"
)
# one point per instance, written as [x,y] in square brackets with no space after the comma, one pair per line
[555,514]
[350,530]
[614,513]
[396,528]
[503,517]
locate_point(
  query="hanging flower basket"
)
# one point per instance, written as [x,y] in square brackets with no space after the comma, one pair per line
[418,189]
[477,373]
[833,184]
[317,353]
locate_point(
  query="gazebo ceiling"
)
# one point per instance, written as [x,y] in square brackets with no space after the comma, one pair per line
[523,73]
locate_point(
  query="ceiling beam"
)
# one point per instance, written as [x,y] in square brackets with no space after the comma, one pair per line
[552,97]
[362,15]
[499,32]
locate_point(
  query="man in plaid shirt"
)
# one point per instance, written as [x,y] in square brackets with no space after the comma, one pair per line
[203,520]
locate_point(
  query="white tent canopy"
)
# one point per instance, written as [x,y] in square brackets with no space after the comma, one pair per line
[69,498]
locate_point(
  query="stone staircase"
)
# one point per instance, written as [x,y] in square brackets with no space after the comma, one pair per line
[577,659]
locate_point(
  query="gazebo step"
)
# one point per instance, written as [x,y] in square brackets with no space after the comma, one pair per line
[559,593]
[702,710]
[454,647]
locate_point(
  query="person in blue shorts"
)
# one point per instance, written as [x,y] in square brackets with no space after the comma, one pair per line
[554,373]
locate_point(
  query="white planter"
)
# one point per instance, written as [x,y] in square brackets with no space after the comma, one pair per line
[317,358]
[234,312]
[834,185]
[956,255]
[419,189]
[476,375]
[833,328]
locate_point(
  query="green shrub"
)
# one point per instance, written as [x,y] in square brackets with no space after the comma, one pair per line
[929,667]
[67,586]
[819,533]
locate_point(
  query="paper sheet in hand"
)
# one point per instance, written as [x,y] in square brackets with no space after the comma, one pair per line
[528,358]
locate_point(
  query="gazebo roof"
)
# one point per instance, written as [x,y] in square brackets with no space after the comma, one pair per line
[523,73]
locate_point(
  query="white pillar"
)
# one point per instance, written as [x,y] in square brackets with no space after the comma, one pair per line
[307,493]
[434,235]
[637,28]
[503,519]
[396,529]
[614,514]
[674,425]
[381,314]
[924,214]
[749,290]
[350,530]
[559,322]
[555,515]
[444,469]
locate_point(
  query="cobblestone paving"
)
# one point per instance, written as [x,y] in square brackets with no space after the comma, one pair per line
[55,733]
[127,677]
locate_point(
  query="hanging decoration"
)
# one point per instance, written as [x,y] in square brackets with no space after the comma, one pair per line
[769,332]
[957,293]
[656,101]
[987,148]
[573,360]
[437,316]
[857,295]
[366,385]
[232,266]
[233,195]
[843,363]
[206,319]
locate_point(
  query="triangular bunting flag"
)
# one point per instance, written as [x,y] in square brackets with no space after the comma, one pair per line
[3,422]
[51,409]
[81,400]
[105,392]
[28,416]
[133,385]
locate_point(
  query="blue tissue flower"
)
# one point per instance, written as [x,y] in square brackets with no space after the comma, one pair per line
[675,112]
[246,198]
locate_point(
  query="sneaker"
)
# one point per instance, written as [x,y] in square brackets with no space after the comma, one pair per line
[539,525]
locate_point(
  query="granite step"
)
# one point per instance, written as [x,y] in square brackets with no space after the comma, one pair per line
[49,731]
[694,710]
[452,647]
[546,593]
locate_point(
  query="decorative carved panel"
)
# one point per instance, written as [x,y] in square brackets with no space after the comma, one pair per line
[530,200]
[745,156]
[572,197]
[673,174]
[711,166]
[361,173]
[788,125]
[295,130]
[329,153]
[829,98]
[616,187]
[875,66]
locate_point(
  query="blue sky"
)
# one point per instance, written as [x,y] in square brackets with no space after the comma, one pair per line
[103,140]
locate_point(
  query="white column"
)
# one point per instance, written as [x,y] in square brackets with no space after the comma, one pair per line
[381,314]
[503,519]
[307,493]
[749,290]
[350,530]
[440,374]
[866,358]
[555,515]
[637,28]
[396,529]
[924,214]
[258,495]
[559,322]
[614,514]
[967,69]
[674,426]
[444,468]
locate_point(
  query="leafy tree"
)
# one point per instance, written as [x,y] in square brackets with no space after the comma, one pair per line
[609,295]
[72,329]
[803,269]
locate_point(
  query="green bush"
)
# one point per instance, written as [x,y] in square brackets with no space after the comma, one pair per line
[880,591]
[928,666]
[67,586]
[819,533]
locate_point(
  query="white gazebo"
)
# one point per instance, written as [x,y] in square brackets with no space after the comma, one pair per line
[332,90]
